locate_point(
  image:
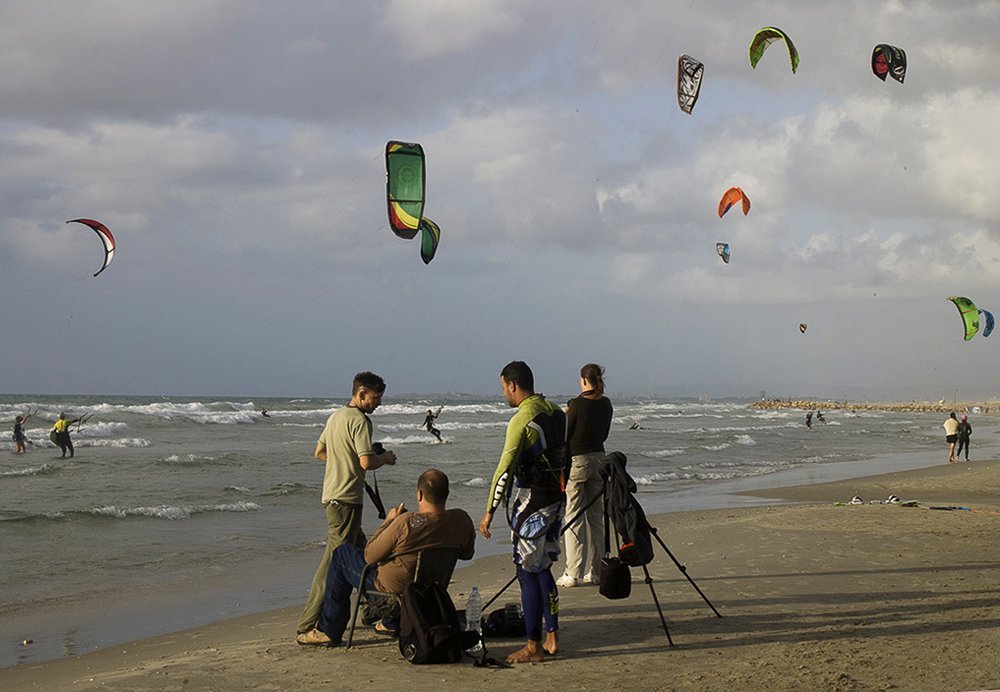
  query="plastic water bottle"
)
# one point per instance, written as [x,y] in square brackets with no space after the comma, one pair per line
[474,616]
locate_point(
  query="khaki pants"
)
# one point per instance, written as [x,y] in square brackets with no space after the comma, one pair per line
[343,526]
[585,537]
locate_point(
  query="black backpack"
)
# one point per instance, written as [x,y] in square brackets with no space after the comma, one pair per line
[429,628]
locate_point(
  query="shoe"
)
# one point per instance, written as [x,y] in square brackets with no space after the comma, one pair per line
[315,637]
[591,578]
[566,581]
[385,630]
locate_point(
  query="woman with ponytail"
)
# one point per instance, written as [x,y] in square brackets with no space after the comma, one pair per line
[588,418]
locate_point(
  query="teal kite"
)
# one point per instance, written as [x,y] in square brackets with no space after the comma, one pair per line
[764,38]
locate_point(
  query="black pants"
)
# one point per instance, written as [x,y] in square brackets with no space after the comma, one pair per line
[963,443]
[64,442]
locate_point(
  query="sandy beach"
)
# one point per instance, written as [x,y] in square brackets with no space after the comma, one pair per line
[814,595]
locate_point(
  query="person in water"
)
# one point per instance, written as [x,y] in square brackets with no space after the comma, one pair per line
[429,424]
[809,420]
[61,436]
[19,438]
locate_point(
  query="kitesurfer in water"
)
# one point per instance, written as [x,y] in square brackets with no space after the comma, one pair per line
[429,424]
[19,438]
[809,421]
[61,434]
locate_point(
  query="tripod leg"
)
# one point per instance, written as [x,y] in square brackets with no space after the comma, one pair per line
[500,592]
[683,570]
[663,621]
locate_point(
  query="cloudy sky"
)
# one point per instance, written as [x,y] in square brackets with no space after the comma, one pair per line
[236,151]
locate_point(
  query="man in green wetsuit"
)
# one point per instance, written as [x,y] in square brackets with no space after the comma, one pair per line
[345,446]
[534,463]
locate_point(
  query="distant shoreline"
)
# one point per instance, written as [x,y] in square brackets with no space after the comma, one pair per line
[979,408]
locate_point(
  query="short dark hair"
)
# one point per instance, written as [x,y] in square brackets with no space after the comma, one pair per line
[434,486]
[368,380]
[518,372]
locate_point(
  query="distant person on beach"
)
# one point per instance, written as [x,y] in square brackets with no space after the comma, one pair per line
[964,435]
[60,435]
[430,526]
[19,438]
[820,418]
[951,435]
[345,446]
[809,421]
[588,421]
[429,423]
[533,463]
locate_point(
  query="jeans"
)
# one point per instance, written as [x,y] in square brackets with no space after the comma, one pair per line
[346,564]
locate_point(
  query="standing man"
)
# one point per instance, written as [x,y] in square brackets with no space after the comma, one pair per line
[535,462]
[346,447]
[964,435]
[60,434]
[951,435]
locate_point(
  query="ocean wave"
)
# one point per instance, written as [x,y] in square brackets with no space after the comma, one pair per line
[476,483]
[286,489]
[662,453]
[123,442]
[426,439]
[171,512]
[190,459]
[717,448]
[43,470]
[745,440]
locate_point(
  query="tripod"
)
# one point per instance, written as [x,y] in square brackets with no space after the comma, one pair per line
[603,495]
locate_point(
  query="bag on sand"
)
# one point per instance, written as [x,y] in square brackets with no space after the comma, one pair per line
[616,578]
[429,628]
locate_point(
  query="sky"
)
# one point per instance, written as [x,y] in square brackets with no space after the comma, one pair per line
[236,151]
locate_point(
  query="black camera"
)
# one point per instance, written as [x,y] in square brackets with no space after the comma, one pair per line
[378,448]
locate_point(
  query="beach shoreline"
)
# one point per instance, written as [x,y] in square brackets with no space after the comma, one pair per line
[814,593]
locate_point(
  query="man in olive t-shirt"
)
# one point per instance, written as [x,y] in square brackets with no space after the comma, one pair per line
[345,445]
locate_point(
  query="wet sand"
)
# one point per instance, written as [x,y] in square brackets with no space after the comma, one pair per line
[813,596]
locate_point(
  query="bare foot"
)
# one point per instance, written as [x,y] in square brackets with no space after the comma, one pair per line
[531,653]
[551,645]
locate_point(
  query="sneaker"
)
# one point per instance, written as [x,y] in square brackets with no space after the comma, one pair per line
[591,578]
[315,637]
[566,581]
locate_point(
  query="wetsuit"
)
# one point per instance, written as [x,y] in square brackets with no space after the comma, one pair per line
[964,433]
[61,429]
[534,464]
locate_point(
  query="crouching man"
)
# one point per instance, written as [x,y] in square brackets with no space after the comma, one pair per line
[431,526]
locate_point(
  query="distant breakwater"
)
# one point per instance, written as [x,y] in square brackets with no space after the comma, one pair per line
[985,407]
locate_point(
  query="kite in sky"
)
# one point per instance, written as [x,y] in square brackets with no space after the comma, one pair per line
[430,236]
[889,61]
[731,197]
[970,315]
[802,327]
[764,38]
[723,250]
[404,171]
[988,329]
[689,72]
[105,235]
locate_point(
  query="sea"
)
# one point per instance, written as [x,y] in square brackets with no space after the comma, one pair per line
[179,511]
